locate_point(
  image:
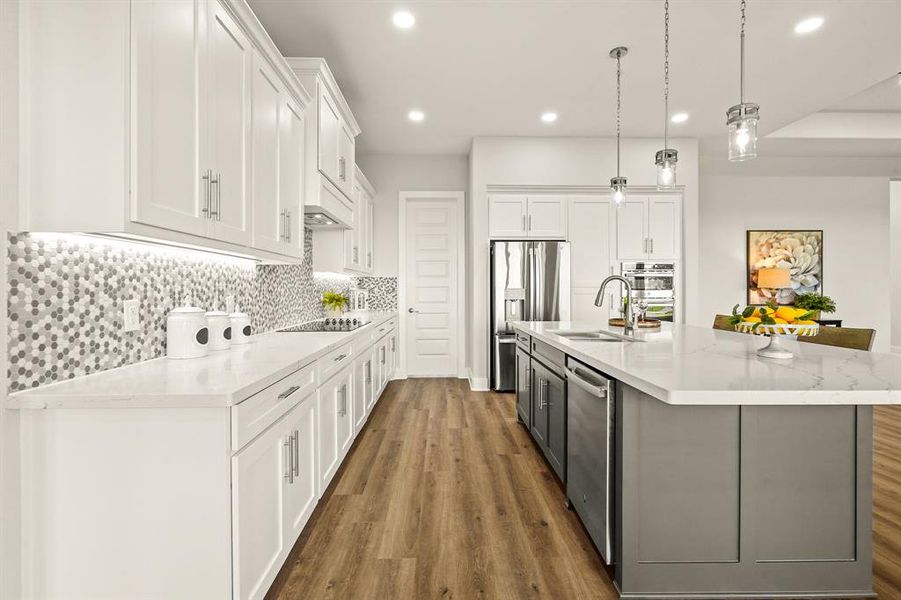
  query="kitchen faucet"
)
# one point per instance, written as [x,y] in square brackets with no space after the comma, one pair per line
[599,301]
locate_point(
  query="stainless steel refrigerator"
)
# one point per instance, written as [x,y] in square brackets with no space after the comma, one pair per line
[529,282]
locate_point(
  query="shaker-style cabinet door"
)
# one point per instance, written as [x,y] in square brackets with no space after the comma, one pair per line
[230,58]
[664,225]
[507,216]
[300,489]
[632,229]
[268,217]
[346,157]
[546,217]
[372,379]
[170,186]
[555,400]
[292,127]
[260,473]
[361,378]
[344,408]
[524,387]
[327,434]
[329,124]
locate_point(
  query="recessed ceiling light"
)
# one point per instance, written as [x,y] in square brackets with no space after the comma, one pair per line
[549,117]
[416,116]
[403,20]
[679,117]
[808,25]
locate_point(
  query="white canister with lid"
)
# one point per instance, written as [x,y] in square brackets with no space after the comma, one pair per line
[241,329]
[187,334]
[220,330]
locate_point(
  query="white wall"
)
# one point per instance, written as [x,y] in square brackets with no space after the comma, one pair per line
[853,213]
[10,565]
[393,173]
[895,237]
[549,161]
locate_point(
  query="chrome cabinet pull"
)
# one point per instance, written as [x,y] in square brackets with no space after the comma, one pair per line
[288,392]
[342,169]
[206,206]
[216,181]
[383,354]
[368,371]
[530,222]
[340,358]
[393,344]
[342,410]
[289,459]
[652,245]
[523,222]
[296,437]
[369,259]
[528,379]
[281,224]
[356,254]
[287,225]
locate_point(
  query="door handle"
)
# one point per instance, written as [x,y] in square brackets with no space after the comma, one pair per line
[281,224]
[216,181]
[289,459]
[530,222]
[343,410]
[368,371]
[287,225]
[288,392]
[523,222]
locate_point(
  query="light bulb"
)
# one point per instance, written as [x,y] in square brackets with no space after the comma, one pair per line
[618,197]
[742,138]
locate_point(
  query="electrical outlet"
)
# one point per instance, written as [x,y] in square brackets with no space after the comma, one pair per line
[132,317]
[230,303]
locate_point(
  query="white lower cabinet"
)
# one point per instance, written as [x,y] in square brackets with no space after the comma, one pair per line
[222,493]
[335,424]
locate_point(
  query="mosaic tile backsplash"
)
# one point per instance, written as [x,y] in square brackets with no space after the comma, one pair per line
[66,294]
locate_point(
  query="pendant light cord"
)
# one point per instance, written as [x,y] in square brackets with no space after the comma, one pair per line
[618,106]
[741,89]
[665,74]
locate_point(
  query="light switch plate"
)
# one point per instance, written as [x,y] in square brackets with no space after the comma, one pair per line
[132,316]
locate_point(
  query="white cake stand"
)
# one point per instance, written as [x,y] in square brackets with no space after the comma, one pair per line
[775,349]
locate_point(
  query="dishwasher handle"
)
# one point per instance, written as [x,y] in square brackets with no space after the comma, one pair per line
[598,391]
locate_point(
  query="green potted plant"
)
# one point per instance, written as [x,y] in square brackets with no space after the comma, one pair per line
[816,303]
[334,303]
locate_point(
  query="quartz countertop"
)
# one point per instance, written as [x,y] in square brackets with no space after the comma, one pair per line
[686,364]
[222,378]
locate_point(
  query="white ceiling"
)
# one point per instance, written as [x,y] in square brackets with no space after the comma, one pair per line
[492,67]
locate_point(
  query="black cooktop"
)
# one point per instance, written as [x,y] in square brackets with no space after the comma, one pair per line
[325,325]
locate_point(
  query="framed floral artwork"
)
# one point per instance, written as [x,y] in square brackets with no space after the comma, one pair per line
[799,251]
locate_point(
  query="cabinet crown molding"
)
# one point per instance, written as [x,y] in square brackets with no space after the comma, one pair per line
[319,68]
[363,181]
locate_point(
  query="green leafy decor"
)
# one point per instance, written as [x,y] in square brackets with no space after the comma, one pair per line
[815,302]
[334,301]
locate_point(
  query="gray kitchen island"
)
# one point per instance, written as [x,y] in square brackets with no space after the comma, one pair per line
[721,474]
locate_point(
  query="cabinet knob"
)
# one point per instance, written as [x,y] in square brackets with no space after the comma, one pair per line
[412,310]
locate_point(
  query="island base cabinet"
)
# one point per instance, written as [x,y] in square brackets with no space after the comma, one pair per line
[742,501]
[524,387]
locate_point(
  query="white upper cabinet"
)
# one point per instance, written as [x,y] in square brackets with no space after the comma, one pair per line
[162,143]
[230,56]
[349,249]
[592,250]
[169,191]
[540,216]
[277,174]
[508,215]
[547,217]
[648,227]
[329,193]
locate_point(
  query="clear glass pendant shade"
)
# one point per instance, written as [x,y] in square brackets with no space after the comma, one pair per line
[742,122]
[618,190]
[666,168]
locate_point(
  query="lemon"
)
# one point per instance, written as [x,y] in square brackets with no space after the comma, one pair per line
[752,319]
[780,321]
[786,313]
[805,322]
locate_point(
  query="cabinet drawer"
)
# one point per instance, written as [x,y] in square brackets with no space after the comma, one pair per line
[254,415]
[381,330]
[524,341]
[550,356]
[332,362]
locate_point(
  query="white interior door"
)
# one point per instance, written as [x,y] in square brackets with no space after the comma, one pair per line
[432,238]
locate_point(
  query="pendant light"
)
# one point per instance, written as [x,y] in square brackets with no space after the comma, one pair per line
[667,158]
[741,119]
[618,183]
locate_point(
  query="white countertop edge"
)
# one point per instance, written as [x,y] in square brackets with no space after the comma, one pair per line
[47,397]
[721,397]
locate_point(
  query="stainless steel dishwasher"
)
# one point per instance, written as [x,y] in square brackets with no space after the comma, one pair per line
[589,459]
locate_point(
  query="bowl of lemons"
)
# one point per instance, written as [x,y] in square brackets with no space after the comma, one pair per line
[775,322]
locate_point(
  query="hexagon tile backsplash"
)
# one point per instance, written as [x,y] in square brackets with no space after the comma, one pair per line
[66,293]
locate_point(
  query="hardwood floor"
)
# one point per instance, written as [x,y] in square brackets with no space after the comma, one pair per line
[445,496]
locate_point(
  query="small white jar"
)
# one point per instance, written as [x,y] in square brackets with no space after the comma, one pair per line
[241,328]
[220,330]
[187,333]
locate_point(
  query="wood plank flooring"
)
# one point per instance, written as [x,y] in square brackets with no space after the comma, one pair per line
[445,496]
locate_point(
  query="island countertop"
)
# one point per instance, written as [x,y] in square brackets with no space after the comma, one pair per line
[222,378]
[691,365]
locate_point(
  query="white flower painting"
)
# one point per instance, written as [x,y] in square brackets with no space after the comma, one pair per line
[801,252]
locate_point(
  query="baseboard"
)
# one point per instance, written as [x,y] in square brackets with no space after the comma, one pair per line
[477,384]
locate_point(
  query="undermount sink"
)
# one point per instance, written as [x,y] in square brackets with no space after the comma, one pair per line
[591,336]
